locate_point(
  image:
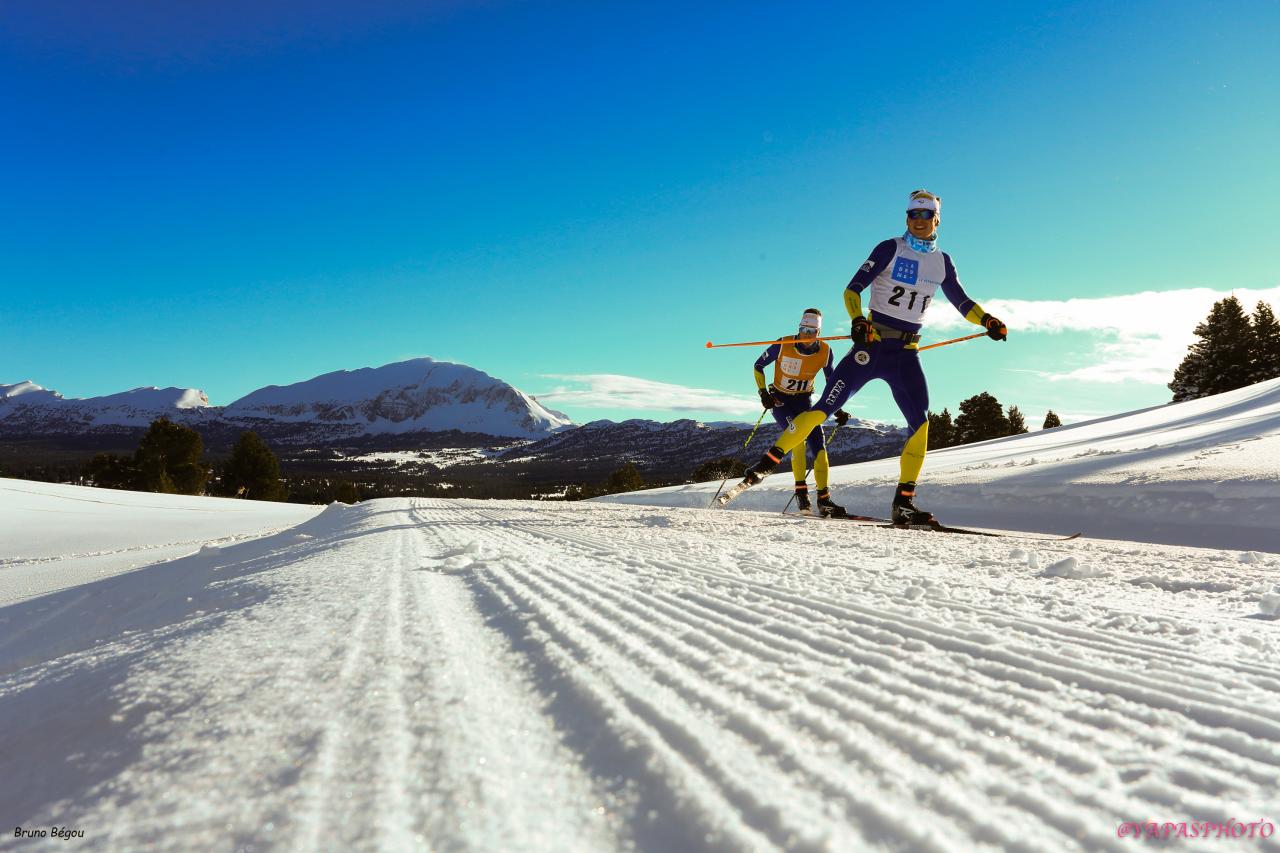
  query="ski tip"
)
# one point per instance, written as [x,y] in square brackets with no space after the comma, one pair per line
[708,344]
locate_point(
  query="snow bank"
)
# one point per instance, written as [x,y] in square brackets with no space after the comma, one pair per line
[53,536]
[1205,472]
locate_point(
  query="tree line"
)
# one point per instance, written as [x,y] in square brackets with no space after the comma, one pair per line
[169,459]
[1233,350]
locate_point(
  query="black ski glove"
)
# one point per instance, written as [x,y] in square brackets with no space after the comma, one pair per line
[995,329]
[863,332]
[766,399]
[842,417]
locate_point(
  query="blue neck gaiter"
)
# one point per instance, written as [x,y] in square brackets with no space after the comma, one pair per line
[923,246]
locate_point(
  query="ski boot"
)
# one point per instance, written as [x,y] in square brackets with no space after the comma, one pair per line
[755,474]
[906,513]
[828,508]
[802,498]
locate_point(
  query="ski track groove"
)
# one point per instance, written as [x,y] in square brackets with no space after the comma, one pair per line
[1117,643]
[1203,711]
[1268,724]
[315,812]
[875,718]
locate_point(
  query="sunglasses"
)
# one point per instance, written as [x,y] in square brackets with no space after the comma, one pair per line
[808,332]
[919,213]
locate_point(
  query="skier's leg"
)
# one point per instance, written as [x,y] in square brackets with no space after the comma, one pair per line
[798,466]
[846,380]
[850,374]
[911,393]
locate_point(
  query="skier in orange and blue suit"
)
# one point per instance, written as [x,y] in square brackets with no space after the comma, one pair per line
[797,361]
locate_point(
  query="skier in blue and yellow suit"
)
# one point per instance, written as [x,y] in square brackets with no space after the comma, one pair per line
[903,274]
[796,362]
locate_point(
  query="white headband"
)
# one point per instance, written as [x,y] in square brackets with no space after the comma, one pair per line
[812,321]
[924,202]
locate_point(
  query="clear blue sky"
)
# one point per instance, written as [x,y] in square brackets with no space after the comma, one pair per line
[223,196]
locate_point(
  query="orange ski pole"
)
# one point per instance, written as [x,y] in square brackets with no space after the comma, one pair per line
[767,343]
[952,341]
[839,338]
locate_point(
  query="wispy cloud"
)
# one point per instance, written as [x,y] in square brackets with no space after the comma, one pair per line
[614,391]
[1138,337]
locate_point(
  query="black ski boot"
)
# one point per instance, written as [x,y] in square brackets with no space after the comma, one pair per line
[828,508]
[755,474]
[904,511]
[802,498]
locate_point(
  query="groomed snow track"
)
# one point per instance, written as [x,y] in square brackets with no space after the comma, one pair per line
[499,675]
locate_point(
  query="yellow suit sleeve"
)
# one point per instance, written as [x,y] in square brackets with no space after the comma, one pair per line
[853,303]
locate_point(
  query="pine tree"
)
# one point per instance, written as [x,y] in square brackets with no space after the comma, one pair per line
[168,458]
[1051,420]
[942,433]
[981,417]
[112,471]
[1266,344]
[253,470]
[1017,423]
[346,492]
[1221,360]
[625,479]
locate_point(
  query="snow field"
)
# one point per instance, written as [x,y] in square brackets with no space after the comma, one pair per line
[1202,473]
[442,674]
[55,536]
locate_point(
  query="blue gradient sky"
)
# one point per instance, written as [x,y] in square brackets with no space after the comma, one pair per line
[575,197]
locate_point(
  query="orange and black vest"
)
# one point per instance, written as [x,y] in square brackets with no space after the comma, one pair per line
[794,371]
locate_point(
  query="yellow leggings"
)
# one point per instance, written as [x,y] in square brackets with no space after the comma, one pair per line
[909,465]
[821,466]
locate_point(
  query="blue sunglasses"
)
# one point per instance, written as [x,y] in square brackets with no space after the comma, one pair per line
[919,213]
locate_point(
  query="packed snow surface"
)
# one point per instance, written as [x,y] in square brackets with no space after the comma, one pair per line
[434,674]
[1203,472]
[55,536]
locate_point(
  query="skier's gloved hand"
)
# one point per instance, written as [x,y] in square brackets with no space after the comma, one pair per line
[995,329]
[842,417]
[766,399]
[863,332]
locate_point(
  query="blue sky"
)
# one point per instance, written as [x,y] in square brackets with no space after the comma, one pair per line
[574,197]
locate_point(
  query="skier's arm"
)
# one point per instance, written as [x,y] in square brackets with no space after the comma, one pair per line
[767,358]
[880,258]
[955,294]
[827,368]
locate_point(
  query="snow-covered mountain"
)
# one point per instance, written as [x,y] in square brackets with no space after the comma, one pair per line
[29,407]
[418,395]
[421,394]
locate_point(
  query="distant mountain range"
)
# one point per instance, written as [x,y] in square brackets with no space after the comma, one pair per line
[419,395]
[420,418]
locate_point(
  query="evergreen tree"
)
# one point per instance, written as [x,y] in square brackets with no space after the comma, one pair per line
[625,479]
[168,458]
[1017,423]
[1222,359]
[111,471]
[1266,344]
[346,492]
[718,469]
[253,471]
[981,417]
[1051,420]
[942,432]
